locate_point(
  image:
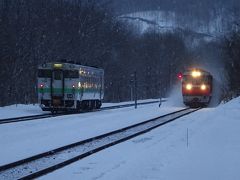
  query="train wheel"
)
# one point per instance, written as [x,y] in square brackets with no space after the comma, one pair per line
[54,111]
[98,104]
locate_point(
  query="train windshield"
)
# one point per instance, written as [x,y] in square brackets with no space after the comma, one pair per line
[44,73]
[58,75]
[202,79]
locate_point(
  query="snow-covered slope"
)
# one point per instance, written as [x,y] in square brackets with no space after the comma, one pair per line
[170,21]
[203,145]
[165,21]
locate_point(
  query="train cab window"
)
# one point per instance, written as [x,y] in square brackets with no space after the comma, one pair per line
[205,79]
[57,75]
[44,73]
[71,74]
[187,78]
[202,79]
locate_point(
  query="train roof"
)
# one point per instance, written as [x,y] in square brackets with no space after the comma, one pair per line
[61,65]
[191,70]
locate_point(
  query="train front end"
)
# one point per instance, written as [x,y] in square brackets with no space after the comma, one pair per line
[56,91]
[196,87]
[68,87]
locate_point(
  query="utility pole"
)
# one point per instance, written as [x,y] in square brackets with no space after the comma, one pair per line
[131,88]
[160,93]
[135,88]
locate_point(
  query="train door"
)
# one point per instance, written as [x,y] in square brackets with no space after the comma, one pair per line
[57,88]
[101,86]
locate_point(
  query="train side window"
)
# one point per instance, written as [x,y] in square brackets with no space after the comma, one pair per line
[44,73]
[71,74]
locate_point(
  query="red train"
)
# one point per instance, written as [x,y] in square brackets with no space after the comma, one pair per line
[197,86]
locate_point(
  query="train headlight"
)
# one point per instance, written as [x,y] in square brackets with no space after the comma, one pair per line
[203,87]
[79,85]
[57,65]
[189,86]
[196,74]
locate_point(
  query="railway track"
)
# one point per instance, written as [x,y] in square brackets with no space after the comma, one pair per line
[129,105]
[25,118]
[49,115]
[47,162]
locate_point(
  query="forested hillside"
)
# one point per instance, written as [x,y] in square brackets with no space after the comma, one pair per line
[33,32]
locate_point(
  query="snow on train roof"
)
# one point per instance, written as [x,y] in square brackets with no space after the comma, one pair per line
[67,66]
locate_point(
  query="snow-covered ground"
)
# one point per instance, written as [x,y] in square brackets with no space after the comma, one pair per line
[203,145]
[19,110]
[24,139]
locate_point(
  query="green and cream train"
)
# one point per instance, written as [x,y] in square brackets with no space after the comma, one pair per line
[67,87]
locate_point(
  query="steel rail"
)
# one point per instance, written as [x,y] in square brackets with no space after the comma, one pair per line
[47,162]
[25,118]
[49,115]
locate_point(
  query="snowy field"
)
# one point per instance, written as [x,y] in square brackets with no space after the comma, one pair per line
[19,110]
[203,145]
[24,139]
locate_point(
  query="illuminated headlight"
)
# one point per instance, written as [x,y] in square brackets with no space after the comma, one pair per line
[79,85]
[57,65]
[188,86]
[196,73]
[203,87]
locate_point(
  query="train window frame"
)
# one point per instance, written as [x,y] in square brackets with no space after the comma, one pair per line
[203,78]
[45,73]
[58,75]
